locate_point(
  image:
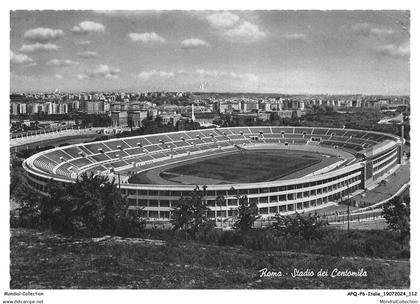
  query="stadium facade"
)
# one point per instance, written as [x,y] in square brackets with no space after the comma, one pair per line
[367,157]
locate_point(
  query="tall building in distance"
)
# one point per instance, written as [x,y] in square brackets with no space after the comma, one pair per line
[119,119]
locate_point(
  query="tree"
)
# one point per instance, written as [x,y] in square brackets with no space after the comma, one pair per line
[397,215]
[92,206]
[247,215]
[100,208]
[308,227]
[224,120]
[190,214]
[28,214]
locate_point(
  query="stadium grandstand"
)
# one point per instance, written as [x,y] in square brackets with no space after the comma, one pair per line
[355,160]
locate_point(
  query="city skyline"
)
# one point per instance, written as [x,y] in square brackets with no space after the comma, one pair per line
[290,52]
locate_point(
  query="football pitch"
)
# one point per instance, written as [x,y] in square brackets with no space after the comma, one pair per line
[244,167]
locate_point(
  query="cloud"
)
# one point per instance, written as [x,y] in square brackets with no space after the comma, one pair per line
[210,73]
[128,13]
[81,76]
[88,27]
[38,47]
[227,75]
[87,54]
[193,43]
[103,71]
[361,28]
[145,75]
[235,28]
[295,36]
[146,37]
[393,50]
[381,31]
[43,34]
[83,42]
[367,29]
[248,77]
[222,20]
[20,59]
[58,76]
[201,73]
[61,62]
[246,32]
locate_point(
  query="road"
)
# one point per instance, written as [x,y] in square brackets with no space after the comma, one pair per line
[384,191]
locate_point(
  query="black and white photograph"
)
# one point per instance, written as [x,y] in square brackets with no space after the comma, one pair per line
[210,149]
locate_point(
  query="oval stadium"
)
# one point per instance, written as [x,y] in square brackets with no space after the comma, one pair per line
[283,169]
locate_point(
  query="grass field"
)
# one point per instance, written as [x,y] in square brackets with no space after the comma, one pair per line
[246,167]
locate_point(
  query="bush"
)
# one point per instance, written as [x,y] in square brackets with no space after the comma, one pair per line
[28,215]
[92,206]
[404,254]
[263,240]
[247,215]
[130,225]
[230,238]
[189,215]
[397,215]
[308,227]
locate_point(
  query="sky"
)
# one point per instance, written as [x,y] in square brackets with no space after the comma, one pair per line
[272,51]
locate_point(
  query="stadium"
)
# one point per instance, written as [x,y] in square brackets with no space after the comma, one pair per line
[282,169]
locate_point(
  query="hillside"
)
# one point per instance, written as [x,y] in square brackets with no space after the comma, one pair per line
[42,260]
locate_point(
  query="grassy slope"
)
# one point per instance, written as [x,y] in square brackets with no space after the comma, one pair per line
[45,260]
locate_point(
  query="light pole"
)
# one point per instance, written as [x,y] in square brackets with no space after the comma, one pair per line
[348,217]
[221,216]
[348,207]
[219,200]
